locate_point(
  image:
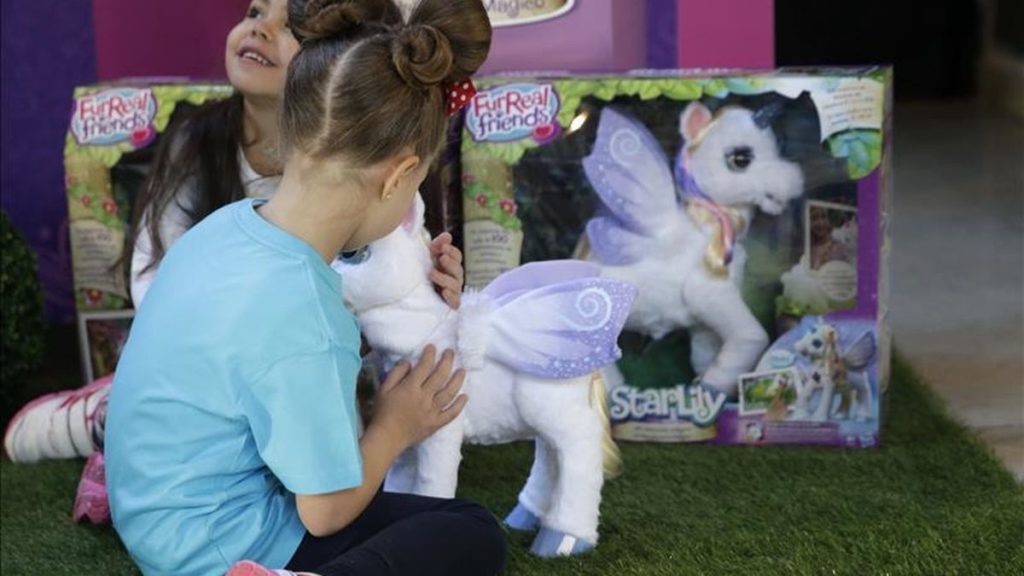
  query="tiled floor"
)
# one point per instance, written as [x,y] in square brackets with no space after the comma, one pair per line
[958,260]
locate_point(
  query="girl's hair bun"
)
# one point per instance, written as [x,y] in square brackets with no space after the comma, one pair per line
[422,55]
[466,27]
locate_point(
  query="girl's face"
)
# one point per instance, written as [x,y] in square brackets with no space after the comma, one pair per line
[821,227]
[259,49]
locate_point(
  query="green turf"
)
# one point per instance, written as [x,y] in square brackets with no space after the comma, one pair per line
[932,501]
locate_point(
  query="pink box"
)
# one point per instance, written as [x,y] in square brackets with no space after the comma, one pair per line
[579,36]
[183,38]
[726,33]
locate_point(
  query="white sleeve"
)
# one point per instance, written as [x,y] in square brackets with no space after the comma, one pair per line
[174,222]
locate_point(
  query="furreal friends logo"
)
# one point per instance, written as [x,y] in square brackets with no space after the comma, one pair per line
[512,12]
[113,116]
[698,405]
[514,112]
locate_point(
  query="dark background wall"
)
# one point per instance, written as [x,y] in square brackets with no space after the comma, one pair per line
[934,44]
[1009,26]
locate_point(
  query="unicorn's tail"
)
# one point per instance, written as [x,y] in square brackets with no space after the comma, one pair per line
[611,459]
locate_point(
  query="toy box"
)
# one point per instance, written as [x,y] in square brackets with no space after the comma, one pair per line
[749,208]
[108,148]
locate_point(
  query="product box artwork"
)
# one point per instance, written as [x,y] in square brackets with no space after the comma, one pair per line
[110,143]
[750,209]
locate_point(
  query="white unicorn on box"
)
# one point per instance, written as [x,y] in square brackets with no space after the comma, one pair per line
[679,239]
[530,343]
[834,371]
[846,236]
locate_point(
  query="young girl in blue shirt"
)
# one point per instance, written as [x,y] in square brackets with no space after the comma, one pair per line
[231,430]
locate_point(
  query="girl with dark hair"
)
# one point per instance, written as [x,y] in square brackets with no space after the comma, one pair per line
[230,149]
[232,419]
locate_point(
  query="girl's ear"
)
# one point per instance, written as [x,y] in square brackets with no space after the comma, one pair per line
[398,171]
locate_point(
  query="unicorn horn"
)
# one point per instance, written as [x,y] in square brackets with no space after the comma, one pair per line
[768,113]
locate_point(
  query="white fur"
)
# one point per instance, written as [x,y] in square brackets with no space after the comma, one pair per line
[801,284]
[400,313]
[846,235]
[676,289]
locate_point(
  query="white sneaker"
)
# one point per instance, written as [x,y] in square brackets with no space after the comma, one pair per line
[65,424]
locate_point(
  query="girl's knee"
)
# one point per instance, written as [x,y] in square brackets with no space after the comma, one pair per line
[493,546]
[467,508]
[485,532]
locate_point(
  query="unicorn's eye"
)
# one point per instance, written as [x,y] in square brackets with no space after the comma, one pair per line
[355,256]
[817,343]
[739,159]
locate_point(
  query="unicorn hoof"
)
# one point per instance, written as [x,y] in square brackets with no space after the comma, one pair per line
[522,519]
[551,543]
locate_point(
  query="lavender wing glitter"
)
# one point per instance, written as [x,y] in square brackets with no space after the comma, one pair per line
[563,330]
[630,172]
[631,175]
[611,243]
[861,352]
[538,275]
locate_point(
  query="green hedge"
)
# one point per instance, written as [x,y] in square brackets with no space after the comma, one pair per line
[22,325]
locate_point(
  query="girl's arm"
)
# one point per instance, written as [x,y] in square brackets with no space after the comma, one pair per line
[412,404]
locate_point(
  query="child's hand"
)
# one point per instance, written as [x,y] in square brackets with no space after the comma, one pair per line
[447,274]
[414,401]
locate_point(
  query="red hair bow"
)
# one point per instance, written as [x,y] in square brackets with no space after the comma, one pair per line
[457,95]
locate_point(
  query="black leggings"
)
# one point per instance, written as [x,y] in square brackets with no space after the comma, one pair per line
[402,534]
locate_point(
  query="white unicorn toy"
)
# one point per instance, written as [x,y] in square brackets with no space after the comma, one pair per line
[846,236]
[531,343]
[680,239]
[834,371]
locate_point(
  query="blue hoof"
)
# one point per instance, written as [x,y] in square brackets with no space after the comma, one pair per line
[522,519]
[551,543]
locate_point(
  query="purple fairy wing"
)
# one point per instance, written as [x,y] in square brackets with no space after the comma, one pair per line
[860,353]
[539,274]
[630,173]
[611,243]
[562,330]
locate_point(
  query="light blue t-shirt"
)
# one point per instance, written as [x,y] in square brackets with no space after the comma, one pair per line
[235,391]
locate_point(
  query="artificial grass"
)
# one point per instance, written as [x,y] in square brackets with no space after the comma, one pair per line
[931,501]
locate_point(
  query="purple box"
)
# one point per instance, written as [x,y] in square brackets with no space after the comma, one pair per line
[569,35]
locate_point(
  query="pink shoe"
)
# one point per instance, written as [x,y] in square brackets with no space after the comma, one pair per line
[65,424]
[91,501]
[250,568]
